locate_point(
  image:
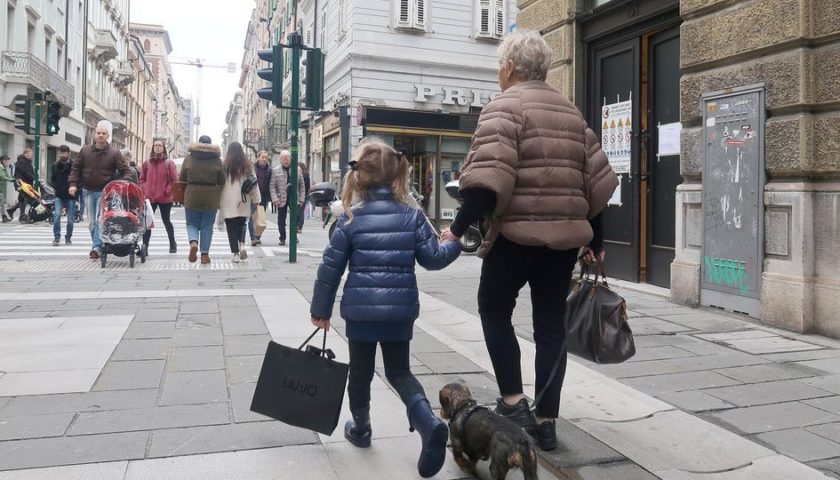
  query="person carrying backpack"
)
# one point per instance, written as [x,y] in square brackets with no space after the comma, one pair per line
[156,178]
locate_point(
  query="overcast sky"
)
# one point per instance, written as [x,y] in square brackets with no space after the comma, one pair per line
[211,30]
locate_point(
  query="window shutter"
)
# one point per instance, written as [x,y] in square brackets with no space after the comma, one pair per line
[323,39]
[500,18]
[420,14]
[484,17]
[404,16]
[309,37]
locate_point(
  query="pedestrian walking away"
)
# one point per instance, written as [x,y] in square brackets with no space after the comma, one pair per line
[263,172]
[24,172]
[60,180]
[97,165]
[508,170]
[157,175]
[304,172]
[204,175]
[134,177]
[239,194]
[381,238]
[280,190]
[5,178]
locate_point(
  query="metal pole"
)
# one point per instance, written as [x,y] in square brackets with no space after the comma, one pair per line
[295,42]
[38,105]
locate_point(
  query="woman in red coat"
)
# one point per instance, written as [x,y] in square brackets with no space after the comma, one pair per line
[157,177]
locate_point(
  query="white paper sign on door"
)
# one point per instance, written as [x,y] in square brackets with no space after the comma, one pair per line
[669,139]
[616,196]
[617,134]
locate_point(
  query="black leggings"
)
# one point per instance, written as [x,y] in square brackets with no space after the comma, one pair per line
[235,232]
[165,211]
[507,268]
[395,355]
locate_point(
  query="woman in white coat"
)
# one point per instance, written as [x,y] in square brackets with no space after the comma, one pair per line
[238,194]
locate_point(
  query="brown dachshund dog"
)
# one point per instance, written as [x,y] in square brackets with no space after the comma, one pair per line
[477,434]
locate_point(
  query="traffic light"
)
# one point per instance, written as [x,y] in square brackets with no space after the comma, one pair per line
[274,75]
[22,120]
[314,63]
[53,117]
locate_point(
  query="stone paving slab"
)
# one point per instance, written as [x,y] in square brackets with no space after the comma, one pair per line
[196,387]
[150,419]
[658,353]
[34,426]
[46,452]
[36,383]
[199,306]
[79,402]
[226,438]
[145,330]
[185,359]
[244,369]
[677,382]
[642,326]
[829,404]
[779,416]
[448,362]
[830,467]
[766,373]
[145,349]
[610,471]
[131,375]
[240,397]
[351,463]
[147,314]
[197,337]
[90,471]
[768,392]
[829,383]
[831,365]
[577,448]
[830,431]
[706,321]
[693,401]
[246,345]
[680,365]
[800,444]
[772,467]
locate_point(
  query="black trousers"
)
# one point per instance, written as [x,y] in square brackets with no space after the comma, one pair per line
[395,356]
[507,268]
[165,215]
[235,232]
[281,220]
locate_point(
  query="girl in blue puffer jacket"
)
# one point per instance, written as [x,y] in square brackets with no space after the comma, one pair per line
[381,237]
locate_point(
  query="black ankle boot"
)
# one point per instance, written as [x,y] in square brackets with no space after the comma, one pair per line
[433,432]
[357,430]
[520,414]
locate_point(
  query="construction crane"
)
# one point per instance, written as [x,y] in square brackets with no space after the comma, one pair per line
[199,65]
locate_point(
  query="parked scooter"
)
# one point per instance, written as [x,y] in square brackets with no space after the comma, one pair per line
[324,195]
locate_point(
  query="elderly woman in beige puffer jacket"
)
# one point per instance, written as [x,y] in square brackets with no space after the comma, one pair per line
[537,174]
[235,205]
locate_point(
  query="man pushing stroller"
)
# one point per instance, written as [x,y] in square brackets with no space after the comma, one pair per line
[93,170]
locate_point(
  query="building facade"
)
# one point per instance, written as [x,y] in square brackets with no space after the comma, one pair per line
[255,111]
[413,73]
[721,119]
[168,106]
[234,132]
[141,93]
[42,50]
[187,117]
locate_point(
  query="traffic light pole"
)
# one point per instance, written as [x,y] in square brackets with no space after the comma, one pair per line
[39,104]
[295,42]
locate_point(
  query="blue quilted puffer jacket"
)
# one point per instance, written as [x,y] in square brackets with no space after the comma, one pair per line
[380,300]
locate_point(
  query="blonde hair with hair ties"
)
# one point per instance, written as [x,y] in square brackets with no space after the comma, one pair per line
[376,164]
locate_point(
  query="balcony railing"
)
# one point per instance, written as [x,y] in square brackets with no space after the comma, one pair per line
[105,46]
[23,67]
[118,117]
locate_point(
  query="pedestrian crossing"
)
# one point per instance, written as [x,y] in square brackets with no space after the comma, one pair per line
[20,241]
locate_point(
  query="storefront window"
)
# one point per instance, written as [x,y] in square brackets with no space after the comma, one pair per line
[332,152]
[453,151]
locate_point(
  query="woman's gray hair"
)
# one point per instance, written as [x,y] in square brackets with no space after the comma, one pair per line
[530,54]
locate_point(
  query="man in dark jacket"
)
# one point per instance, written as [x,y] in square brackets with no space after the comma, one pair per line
[60,181]
[24,172]
[263,172]
[93,170]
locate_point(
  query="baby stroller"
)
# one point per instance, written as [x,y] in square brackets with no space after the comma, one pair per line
[40,206]
[122,221]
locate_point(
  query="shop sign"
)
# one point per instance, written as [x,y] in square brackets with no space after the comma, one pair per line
[453,95]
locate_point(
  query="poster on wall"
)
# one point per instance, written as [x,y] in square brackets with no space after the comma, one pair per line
[617,134]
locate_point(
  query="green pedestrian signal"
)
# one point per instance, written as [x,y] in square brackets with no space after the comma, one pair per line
[274,75]
[314,63]
[22,118]
[53,117]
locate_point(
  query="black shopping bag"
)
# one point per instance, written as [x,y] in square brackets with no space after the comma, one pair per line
[304,388]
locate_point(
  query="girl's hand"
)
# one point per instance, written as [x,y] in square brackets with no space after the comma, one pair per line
[321,323]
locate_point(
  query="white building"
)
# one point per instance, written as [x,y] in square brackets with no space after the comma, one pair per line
[187,116]
[109,71]
[413,72]
[234,119]
[41,50]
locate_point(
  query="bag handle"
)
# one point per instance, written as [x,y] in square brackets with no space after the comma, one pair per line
[321,352]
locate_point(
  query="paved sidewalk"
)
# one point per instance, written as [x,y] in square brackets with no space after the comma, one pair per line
[149,374]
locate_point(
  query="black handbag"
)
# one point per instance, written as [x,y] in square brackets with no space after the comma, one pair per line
[596,320]
[303,388]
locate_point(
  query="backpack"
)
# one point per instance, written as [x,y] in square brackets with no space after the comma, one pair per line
[248,184]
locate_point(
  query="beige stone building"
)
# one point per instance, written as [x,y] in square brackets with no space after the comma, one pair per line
[745,214]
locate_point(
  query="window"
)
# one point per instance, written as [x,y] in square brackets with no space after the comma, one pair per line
[411,14]
[342,18]
[322,42]
[490,19]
